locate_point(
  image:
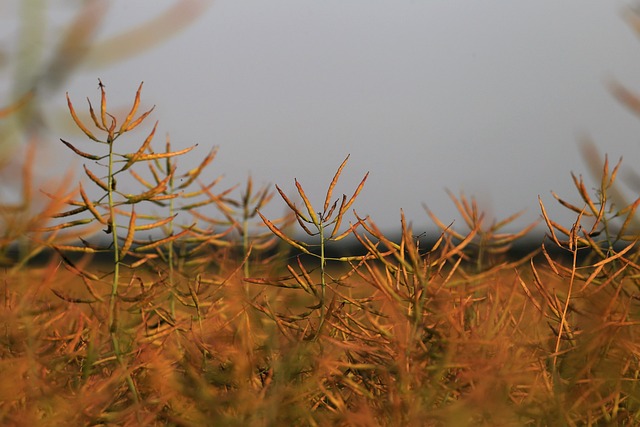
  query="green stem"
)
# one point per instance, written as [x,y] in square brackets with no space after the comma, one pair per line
[323,283]
[116,253]
[113,325]
[245,240]
[170,254]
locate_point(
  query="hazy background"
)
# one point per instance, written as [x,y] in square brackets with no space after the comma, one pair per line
[489,97]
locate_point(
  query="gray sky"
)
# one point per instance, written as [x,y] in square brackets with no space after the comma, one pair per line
[489,97]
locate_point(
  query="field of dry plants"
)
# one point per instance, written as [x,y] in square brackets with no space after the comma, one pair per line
[112,315]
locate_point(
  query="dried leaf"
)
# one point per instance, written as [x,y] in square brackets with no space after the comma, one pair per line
[155,156]
[292,206]
[137,156]
[275,230]
[156,243]
[139,119]
[89,204]
[81,153]
[95,179]
[307,203]
[134,108]
[130,234]
[334,181]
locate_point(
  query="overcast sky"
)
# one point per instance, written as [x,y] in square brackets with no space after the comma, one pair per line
[487,97]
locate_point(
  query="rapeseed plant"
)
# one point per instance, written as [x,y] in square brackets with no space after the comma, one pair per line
[191,314]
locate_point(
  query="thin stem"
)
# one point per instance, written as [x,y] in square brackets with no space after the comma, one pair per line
[170,254]
[245,239]
[113,326]
[573,246]
[113,230]
[323,283]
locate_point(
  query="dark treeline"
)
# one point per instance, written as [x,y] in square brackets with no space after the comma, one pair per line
[527,247]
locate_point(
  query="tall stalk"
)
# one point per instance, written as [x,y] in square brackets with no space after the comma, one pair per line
[316,224]
[112,226]
[106,213]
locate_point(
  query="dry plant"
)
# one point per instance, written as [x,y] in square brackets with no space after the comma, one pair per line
[325,226]
[109,209]
[489,244]
[197,317]
[593,356]
[241,213]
